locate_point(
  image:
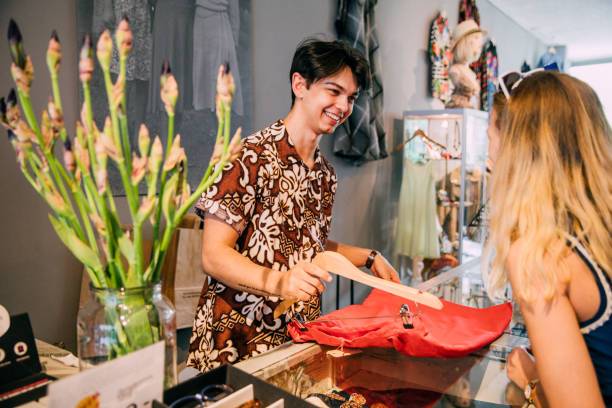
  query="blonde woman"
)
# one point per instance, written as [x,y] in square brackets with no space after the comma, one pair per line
[551,236]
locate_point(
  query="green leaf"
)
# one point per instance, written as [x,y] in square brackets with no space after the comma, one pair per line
[126,247]
[78,248]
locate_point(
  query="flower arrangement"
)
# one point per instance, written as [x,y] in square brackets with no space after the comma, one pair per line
[83,211]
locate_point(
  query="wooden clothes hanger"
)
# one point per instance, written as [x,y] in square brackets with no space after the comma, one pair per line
[416,133]
[335,263]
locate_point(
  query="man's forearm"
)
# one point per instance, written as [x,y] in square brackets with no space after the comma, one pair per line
[238,272]
[356,255]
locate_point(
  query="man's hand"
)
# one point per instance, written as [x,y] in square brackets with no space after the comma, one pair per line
[383,269]
[303,281]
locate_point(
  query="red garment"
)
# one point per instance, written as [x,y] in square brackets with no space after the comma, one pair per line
[453,331]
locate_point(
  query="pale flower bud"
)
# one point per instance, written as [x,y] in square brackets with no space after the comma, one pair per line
[56,202]
[86,63]
[235,146]
[139,167]
[111,148]
[217,153]
[54,54]
[123,36]
[12,110]
[117,92]
[101,180]
[69,157]
[24,133]
[169,89]
[225,85]
[46,132]
[177,153]
[98,223]
[143,140]
[156,155]
[57,120]
[81,154]
[23,77]
[104,50]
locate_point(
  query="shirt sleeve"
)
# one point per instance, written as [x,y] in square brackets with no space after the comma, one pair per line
[231,198]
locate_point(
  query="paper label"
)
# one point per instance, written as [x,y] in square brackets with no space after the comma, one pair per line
[129,381]
[5,320]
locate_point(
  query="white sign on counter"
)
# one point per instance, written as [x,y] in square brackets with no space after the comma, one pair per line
[132,381]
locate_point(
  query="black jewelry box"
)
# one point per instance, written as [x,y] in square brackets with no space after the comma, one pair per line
[236,379]
[21,375]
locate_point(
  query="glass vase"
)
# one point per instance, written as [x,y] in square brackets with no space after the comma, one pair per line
[115,322]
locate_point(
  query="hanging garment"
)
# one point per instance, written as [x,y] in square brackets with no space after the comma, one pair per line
[417,233]
[468,10]
[108,15]
[487,74]
[440,57]
[362,136]
[453,331]
[216,27]
[173,39]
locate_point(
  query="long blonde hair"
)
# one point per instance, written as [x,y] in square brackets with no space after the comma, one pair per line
[552,180]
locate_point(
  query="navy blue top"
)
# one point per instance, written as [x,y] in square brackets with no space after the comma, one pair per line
[597,331]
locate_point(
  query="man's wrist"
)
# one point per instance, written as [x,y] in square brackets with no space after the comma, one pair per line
[370,260]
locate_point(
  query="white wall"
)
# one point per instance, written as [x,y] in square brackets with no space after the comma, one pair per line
[39,276]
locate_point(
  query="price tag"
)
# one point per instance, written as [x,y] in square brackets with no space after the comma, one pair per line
[132,381]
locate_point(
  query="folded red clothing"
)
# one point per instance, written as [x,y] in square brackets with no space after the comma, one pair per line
[450,332]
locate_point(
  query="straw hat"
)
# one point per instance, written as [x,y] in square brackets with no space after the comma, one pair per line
[464,29]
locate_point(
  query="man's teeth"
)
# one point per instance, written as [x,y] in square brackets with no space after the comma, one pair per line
[334,117]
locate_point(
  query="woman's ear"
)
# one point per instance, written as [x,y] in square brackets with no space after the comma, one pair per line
[298,85]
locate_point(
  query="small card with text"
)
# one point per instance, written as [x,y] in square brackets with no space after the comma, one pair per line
[133,381]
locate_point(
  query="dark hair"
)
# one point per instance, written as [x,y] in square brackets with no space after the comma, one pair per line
[315,59]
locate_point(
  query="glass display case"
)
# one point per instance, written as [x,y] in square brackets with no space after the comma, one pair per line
[454,144]
[391,379]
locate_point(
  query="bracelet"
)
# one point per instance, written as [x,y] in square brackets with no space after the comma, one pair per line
[530,393]
[370,259]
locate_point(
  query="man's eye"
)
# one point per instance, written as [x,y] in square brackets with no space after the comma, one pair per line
[334,91]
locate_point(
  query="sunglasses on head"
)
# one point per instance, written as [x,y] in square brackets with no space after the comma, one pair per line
[510,80]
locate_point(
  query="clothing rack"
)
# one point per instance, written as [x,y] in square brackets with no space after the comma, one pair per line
[416,133]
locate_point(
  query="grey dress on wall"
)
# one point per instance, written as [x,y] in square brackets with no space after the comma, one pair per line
[173,39]
[216,28]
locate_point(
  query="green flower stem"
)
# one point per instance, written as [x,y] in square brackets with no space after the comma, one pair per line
[136,262]
[123,117]
[57,100]
[161,185]
[159,253]
[129,192]
[117,273]
[89,125]
[26,105]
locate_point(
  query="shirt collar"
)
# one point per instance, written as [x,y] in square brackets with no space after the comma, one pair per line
[287,151]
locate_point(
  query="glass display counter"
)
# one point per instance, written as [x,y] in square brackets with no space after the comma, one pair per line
[392,379]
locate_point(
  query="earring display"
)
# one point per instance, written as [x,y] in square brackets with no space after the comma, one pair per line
[442,188]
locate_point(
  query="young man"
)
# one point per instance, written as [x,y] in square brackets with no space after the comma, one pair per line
[269,214]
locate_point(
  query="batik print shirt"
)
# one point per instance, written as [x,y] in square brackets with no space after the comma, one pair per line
[280,209]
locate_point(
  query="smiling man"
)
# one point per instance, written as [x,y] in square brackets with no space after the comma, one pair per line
[269,214]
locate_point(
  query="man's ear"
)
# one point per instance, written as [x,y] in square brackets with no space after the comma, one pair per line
[298,85]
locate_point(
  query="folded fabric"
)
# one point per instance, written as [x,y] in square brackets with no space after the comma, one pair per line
[450,332]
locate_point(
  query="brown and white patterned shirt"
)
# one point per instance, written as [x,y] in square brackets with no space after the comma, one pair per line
[280,208]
